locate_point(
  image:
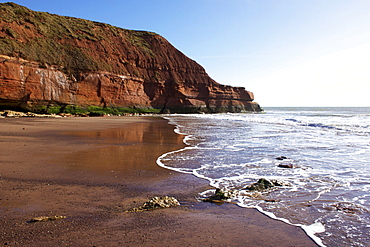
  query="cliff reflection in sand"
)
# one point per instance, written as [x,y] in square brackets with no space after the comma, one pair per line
[122,149]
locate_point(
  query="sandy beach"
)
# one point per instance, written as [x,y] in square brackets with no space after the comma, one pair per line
[92,170]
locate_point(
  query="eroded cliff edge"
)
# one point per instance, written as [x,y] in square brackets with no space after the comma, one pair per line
[48,60]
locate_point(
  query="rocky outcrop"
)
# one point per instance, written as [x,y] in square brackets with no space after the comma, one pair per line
[157,203]
[265,184]
[221,195]
[48,59]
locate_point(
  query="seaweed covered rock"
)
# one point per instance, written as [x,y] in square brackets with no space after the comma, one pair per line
[220,196]
[156,203]
[264,184]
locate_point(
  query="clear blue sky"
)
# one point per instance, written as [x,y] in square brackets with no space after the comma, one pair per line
[287,52]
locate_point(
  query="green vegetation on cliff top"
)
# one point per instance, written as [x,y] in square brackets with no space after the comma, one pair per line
[79,110]
[51,39]
[94,110]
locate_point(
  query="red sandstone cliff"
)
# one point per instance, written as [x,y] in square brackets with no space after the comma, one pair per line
[53,60]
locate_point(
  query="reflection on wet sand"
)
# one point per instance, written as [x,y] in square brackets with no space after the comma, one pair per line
[135,146]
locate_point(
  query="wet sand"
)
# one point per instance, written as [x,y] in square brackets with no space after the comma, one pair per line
[94,169]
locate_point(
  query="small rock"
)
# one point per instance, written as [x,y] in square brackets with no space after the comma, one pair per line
[220,195]
[286,165]
[264,184]
[270,200]
[47,218]
[349,208]
[281,158]
[156,203]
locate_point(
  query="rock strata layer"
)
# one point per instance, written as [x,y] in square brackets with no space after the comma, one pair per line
[48,60]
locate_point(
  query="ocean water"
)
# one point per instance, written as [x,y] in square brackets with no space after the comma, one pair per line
[328,190]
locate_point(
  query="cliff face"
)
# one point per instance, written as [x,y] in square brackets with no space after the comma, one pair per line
[48,59]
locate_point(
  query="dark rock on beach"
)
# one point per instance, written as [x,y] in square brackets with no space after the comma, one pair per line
[156,203]
[220,196]
[264,184]
[286,165]
[281,158]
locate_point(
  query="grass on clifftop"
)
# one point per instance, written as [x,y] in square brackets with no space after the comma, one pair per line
[93,110]
[51,39]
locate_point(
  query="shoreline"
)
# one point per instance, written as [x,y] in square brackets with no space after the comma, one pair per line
[94,169]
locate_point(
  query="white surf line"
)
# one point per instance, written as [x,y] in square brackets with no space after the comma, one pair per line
[160,163]
[310,230]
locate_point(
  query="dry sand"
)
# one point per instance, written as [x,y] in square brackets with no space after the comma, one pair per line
[94,169]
